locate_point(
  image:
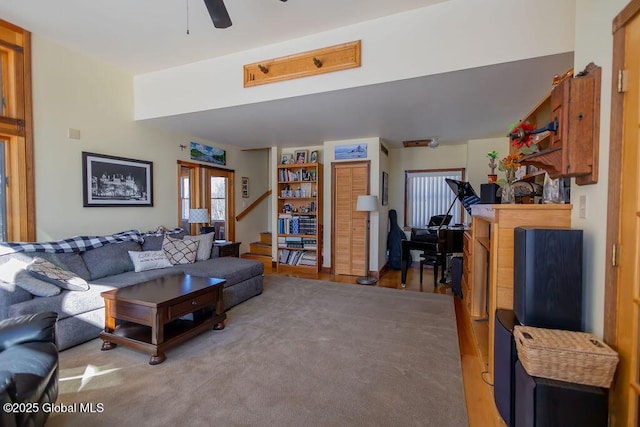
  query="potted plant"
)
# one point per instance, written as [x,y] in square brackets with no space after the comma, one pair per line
[509,165]
[492,155]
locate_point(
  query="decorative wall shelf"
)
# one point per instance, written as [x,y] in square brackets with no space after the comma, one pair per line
[572,151]
[319,61]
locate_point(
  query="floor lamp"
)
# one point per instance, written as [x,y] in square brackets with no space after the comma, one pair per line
[367,204]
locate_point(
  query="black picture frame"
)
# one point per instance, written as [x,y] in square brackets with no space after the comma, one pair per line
[110,181]
[385,189]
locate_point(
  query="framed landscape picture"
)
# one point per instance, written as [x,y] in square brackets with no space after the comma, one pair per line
[205,153]
[116,181]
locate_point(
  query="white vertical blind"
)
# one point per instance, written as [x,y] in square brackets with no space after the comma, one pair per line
[428,194]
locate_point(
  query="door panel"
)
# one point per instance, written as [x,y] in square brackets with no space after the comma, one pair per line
[350,181]
[627,387]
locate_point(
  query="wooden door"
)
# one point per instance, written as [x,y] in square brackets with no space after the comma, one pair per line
[625,269]
[350,180]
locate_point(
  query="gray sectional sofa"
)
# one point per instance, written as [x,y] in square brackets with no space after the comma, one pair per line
[81,313]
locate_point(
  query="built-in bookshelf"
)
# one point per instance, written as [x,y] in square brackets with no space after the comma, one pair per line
[299,233]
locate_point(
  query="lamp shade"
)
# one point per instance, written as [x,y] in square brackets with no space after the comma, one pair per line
[367,203]
[198,216]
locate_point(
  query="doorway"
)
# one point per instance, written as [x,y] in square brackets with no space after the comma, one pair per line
[349,180]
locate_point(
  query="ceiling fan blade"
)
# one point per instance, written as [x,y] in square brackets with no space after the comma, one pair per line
[218,13]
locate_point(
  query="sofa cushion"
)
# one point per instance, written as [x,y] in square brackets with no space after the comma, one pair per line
[205,242]
[234,270]
[52,273]
[15,272]
[110,259]
[152,243]
[66,304]
[180,251]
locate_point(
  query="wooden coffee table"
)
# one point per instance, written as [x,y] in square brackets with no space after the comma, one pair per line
[152,316]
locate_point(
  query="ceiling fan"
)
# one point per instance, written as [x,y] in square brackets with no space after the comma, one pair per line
[219,14]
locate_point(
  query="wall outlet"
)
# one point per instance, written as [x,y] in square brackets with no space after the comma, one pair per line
[582,206]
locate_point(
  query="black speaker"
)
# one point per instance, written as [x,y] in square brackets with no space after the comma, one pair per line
[542,402]
[456,276]
[488,193]
[547,285]
[505,356]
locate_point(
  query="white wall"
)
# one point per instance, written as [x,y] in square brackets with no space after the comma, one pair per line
[420,158]
[452,35]
[594,43]
[75,91]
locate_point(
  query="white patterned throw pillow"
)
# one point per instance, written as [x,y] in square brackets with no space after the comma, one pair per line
[148,260]
[180,251]
[45,270]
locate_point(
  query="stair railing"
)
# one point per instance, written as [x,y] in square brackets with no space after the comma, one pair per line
[253,205]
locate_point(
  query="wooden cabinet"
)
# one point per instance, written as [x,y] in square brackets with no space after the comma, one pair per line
[572,149]
[492,255]
[299,206]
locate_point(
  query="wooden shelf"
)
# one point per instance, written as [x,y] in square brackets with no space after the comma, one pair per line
[572,151]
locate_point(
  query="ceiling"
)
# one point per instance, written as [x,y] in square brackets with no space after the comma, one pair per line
[147,35]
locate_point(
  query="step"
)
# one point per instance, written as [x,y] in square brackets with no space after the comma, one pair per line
[260,248]
[265,237]
[264,259]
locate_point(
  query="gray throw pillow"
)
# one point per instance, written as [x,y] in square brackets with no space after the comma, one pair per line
[14,272]
[110,259]
[51,273]
[205,242]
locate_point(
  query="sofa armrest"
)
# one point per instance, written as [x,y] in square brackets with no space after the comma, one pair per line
[39,327]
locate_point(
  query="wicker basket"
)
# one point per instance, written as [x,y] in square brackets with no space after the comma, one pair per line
[575,357]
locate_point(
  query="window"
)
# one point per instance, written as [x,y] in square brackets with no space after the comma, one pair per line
[201,186]
[17,204]
[427,194]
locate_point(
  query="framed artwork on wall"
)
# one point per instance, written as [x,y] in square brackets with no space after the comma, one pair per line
[385,188]
[351,151]
[116,181]
[245,187]
[205,153]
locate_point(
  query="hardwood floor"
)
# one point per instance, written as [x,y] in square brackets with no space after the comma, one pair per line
[481,408]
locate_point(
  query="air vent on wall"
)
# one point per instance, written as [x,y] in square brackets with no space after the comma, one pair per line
[429,142]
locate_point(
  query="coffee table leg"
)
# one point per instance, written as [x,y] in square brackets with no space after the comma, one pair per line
[109,324]
[218,326]
[157,359]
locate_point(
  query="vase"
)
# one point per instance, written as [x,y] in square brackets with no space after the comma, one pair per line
[508,195]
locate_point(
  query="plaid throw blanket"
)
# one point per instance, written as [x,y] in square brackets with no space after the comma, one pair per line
[73,244]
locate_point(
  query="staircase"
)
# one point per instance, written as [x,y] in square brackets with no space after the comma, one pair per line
[261,251]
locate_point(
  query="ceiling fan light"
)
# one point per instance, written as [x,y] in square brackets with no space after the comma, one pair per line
[434,142]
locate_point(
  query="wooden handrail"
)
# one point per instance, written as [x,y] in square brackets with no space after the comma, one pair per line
[253,205]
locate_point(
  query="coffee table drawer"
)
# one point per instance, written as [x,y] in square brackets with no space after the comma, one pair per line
[189,306]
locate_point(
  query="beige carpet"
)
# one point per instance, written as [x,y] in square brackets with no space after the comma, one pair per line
[304,353]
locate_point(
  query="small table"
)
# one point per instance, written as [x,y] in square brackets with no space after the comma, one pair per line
[150,316]
[228,249]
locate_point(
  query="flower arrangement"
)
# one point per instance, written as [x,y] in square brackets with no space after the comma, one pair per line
[521,137]
[510,165]
[492,155]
